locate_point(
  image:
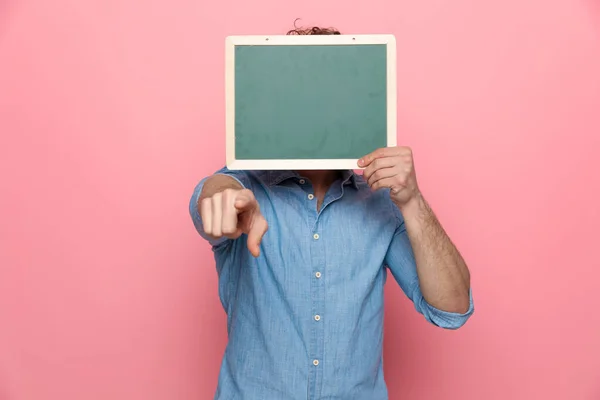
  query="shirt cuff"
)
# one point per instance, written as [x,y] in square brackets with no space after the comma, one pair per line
[445,319]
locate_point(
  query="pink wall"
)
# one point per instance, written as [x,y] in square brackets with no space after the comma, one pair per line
[111,111]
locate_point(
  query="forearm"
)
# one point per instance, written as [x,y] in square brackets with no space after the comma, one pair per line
[218,183]
[443,274]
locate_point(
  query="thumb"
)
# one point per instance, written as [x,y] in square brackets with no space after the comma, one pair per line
[256,233]
[245,201]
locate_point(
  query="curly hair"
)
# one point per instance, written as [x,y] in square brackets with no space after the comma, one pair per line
[315,30]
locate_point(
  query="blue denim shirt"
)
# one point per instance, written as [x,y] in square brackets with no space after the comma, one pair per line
[305,318]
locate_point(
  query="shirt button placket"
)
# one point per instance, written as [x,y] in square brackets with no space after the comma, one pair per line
[318,259]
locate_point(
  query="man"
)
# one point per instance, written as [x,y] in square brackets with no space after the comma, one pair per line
[302,258]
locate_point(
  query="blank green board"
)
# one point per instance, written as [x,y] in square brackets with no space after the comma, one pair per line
[307,103]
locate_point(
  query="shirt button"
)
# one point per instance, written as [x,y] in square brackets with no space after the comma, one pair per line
[316,236]
[318,275]
[315,362]
[317,317]
[311,196]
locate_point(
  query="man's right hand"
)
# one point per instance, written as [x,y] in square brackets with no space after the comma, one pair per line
[232,212]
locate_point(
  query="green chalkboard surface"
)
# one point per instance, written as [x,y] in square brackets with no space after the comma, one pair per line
[309,102]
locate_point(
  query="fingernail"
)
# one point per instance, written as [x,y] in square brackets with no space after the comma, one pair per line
[360,162]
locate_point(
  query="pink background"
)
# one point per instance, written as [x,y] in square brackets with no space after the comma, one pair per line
[112,110]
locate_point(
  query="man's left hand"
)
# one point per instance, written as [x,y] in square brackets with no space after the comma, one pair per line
[393,168]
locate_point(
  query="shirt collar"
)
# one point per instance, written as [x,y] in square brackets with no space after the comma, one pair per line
[277,177]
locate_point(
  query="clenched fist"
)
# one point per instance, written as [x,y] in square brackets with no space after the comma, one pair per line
[231,213]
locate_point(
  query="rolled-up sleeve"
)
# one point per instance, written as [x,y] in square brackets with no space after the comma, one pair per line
[240,176]
[401,263]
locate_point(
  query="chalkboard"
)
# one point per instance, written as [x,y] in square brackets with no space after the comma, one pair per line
[308,102]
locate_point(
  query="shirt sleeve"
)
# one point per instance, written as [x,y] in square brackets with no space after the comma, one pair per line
[240,176]
[401,263]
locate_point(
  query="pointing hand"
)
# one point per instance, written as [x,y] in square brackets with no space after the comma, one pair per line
[232,212]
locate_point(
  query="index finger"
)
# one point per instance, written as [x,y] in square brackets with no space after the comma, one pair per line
[258,230]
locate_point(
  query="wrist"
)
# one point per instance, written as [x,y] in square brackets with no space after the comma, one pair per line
[219,183]
[415,205]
